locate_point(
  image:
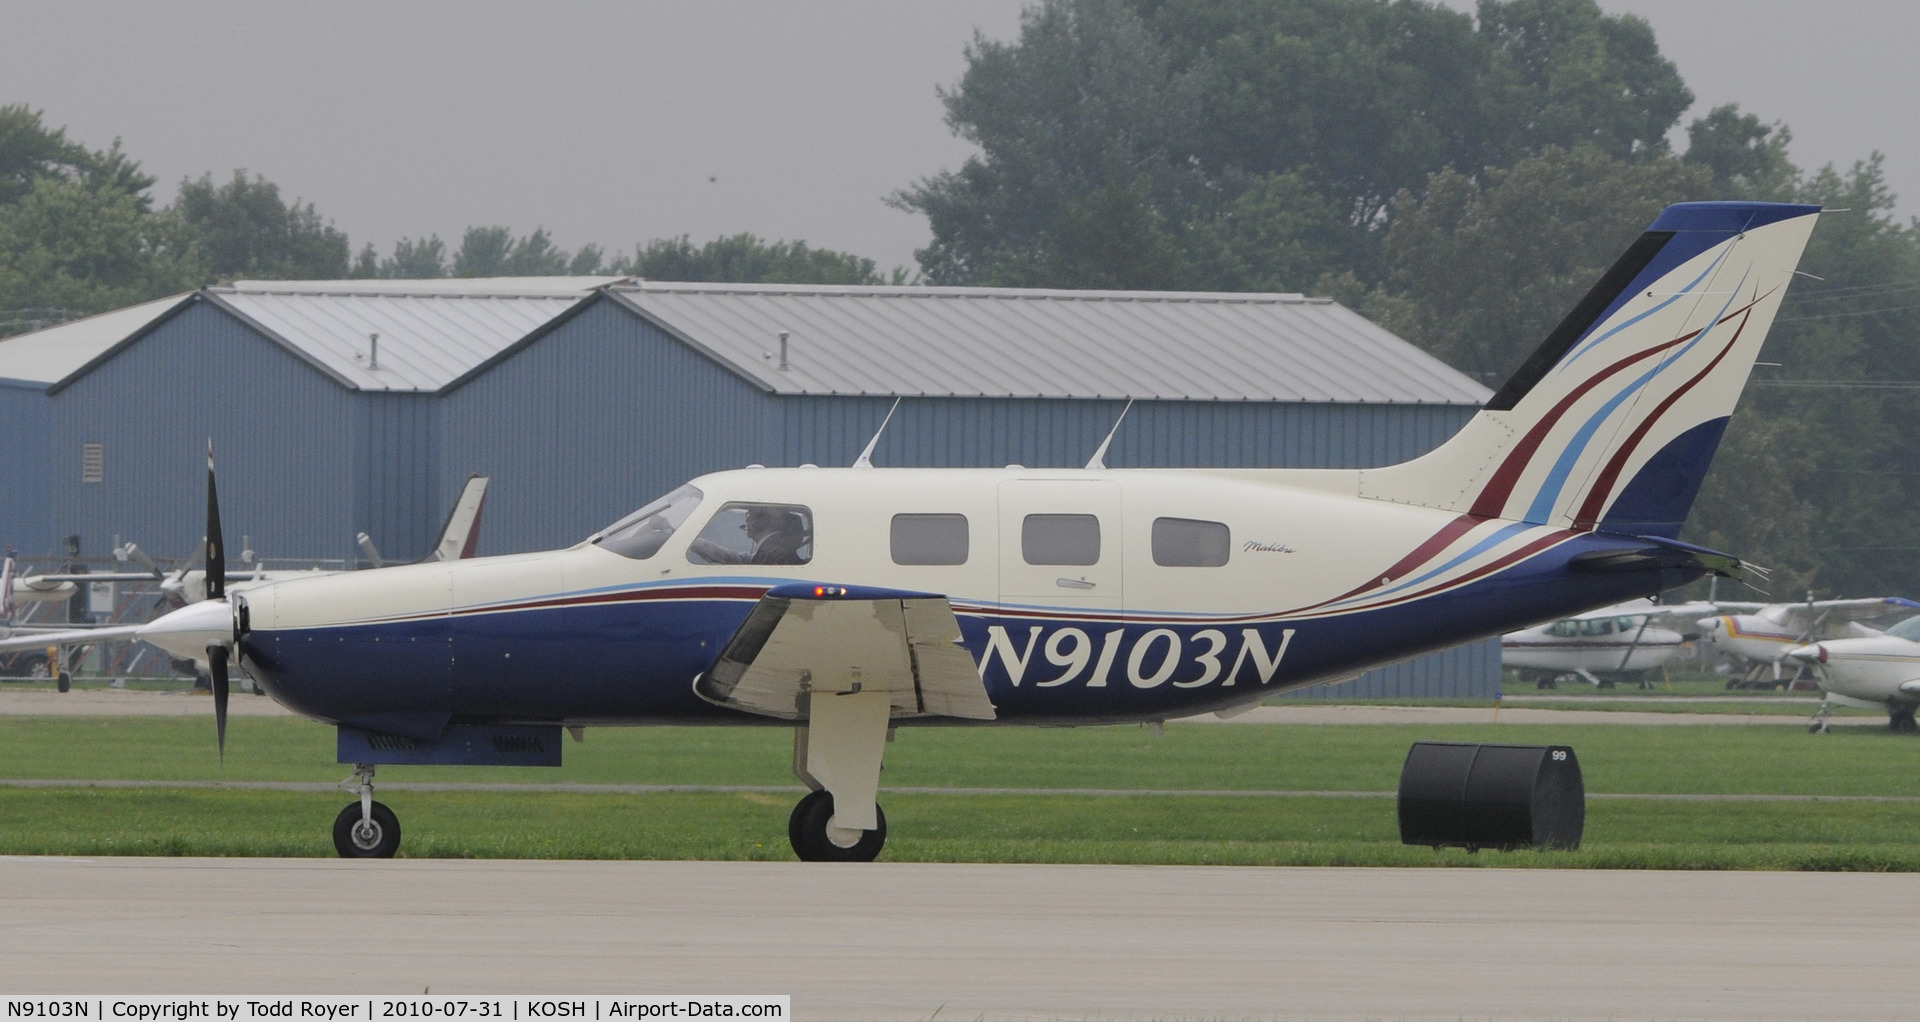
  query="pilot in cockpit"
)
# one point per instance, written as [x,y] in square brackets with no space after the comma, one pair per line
[778,535]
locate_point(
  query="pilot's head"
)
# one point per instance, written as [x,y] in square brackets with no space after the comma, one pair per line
[763,521]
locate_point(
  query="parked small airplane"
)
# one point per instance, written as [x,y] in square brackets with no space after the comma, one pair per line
[842,602]
[459,538]
[1602,646]
[1877,671]
[1762,635]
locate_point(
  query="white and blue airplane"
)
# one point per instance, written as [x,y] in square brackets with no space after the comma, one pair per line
[844,602]
[1873,671]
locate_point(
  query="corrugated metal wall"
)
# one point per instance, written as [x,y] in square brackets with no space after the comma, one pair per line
[397,498]
[24,450]
[976,432]
[590,422]
[284,435]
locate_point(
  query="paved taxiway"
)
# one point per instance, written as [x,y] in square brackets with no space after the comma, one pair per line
[904,941]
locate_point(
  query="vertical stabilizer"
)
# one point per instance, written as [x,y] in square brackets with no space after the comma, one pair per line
[460,538]
[1612,422]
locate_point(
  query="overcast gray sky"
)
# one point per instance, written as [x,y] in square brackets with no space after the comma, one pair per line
[615,122]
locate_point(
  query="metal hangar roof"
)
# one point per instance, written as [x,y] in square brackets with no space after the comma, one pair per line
[49,355]
[425,340]
[1003,342]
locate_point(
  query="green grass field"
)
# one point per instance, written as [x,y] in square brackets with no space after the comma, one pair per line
[1025,824]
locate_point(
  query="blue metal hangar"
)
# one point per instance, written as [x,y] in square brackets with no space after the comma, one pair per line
[344,406]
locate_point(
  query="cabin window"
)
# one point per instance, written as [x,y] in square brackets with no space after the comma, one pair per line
[748,533]
[1060,539]
[1190,543]
[1564,629]
[929,539]
[641,534]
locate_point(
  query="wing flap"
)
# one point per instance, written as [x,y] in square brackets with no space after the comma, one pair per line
[803,640]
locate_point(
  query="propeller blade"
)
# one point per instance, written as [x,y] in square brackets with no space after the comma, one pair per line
[217,666]
[216,547]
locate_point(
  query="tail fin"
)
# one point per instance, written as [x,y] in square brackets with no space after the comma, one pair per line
[1612,423]
[461,536]
[6,593]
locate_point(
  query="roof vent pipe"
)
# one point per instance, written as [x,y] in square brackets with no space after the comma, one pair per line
[783,351]
[373,351]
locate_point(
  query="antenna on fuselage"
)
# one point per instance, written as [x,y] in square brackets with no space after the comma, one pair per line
[865,460]
[1099,459]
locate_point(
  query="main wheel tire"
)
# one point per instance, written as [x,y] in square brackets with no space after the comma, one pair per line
[1902,721]
[807,832]
[64,683]
[377,838]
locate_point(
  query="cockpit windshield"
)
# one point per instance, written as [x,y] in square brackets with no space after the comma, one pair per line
[641,534]
[1908,629]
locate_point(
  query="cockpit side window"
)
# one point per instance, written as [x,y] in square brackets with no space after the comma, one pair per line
[749,533]
[641,534]
[1908,629]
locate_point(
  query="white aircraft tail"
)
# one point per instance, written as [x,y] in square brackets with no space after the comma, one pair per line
[1612,422]
[460,538]
[6,593]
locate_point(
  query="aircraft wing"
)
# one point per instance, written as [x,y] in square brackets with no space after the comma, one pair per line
[1802,615]
[70,637]
[1647,608]
[806,639]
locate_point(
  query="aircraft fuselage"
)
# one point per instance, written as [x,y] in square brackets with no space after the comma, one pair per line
[1316,584]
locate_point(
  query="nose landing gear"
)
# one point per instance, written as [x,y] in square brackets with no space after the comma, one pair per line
[365,829]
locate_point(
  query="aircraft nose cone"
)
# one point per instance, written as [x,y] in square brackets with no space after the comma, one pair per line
[1814,654]
[186,632]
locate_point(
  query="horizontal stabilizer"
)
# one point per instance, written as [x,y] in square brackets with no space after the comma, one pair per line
[803,640]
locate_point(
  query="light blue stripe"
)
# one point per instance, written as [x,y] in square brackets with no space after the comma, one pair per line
[1481,547]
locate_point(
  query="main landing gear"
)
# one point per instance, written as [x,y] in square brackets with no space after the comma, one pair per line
[365,829]
[1901,719]
[837,753]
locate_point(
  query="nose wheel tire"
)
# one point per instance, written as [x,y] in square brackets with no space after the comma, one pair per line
[807,832]
[377,837]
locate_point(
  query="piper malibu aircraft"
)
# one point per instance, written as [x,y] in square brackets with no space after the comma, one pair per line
[1877,671]
[1763,635]
[842,602]
[1600,646]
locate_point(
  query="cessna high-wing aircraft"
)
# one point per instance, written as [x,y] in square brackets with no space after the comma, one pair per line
[1601,646]
[1877,671]
[1762,635]
[842,602]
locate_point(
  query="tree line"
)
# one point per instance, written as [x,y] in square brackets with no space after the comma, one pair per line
[80,233]
[1459,178]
